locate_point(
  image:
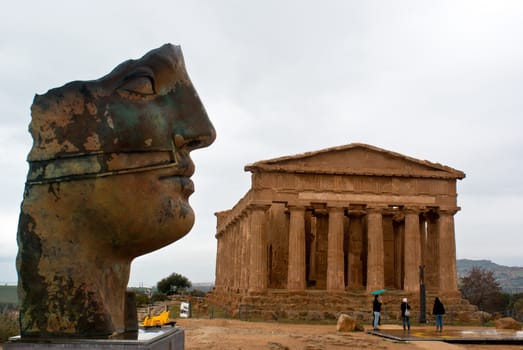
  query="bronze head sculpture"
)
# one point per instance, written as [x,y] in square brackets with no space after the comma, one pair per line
[109,180]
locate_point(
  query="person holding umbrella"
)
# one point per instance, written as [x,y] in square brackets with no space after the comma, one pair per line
[376,309]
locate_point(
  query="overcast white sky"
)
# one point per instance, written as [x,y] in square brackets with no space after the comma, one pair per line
[435,80]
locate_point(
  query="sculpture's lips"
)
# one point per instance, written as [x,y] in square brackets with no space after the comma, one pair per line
[165,163]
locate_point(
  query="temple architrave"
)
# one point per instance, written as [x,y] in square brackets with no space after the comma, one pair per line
[342,220]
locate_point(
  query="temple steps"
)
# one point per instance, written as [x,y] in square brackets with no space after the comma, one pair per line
[320,305]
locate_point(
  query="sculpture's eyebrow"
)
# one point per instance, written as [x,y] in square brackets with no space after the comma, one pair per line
[163,62]
[140,71]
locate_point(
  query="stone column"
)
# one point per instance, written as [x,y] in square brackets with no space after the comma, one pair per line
[247,258]
[219,258]
[239,251]
[224,258]
[244,255]
[375,268]
[412,250]
[335,268]
[296,279]
[228,257]
[431,258]
[230,239]
[354,261]
[312,254]
[321,247]
[399,237]
[235,254]
[448,280]
[258,251]
[423,237]
[217,276]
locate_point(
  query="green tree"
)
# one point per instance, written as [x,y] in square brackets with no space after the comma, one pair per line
[142,299]
[480,288]
[173,284]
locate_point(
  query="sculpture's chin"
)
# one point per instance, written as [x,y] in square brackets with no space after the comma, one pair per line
[161,232]
[123,216]
[148,223]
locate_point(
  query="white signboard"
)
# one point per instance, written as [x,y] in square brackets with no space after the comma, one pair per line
[185,309]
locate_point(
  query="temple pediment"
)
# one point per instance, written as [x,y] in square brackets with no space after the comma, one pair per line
[356,159]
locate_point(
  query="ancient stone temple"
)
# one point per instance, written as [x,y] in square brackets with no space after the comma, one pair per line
[344,220]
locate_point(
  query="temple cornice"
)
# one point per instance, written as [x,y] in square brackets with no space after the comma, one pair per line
[355,172]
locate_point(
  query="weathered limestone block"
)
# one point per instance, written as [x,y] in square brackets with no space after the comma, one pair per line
[109,180]
[508,323]
[347,324]
[481,316]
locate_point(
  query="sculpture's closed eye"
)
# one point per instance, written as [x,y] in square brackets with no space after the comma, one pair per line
[142,85]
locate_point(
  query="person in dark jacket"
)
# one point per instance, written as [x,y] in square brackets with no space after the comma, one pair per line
[405,314]
[438,311]
[376,309]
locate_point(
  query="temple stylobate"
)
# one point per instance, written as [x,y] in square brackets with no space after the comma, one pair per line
[353,217]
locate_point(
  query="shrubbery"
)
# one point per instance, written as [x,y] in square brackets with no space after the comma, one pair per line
[8,324]
[480,288]
[142,299]
[515,306]
[158,297]
[198,293]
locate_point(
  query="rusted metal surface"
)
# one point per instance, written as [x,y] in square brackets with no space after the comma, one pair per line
[146,105]
[109,180]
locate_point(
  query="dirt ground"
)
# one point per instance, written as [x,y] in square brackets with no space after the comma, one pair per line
[221,334]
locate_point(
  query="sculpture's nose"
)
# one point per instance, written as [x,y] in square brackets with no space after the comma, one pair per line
[199,135]
[192,127]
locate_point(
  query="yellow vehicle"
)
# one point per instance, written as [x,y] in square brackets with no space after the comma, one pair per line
[162,319]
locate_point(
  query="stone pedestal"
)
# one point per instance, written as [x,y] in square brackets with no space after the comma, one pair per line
[163,339]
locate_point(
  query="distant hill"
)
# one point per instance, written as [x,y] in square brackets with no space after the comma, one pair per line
[204,287]
[510,278]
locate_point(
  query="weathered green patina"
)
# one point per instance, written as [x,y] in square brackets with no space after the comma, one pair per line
[109,180]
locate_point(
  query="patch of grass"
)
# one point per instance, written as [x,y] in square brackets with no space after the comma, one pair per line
[215,313]
[8,295]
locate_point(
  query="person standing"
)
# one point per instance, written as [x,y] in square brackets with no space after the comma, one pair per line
[438,311]
[405,314]
[376,309]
